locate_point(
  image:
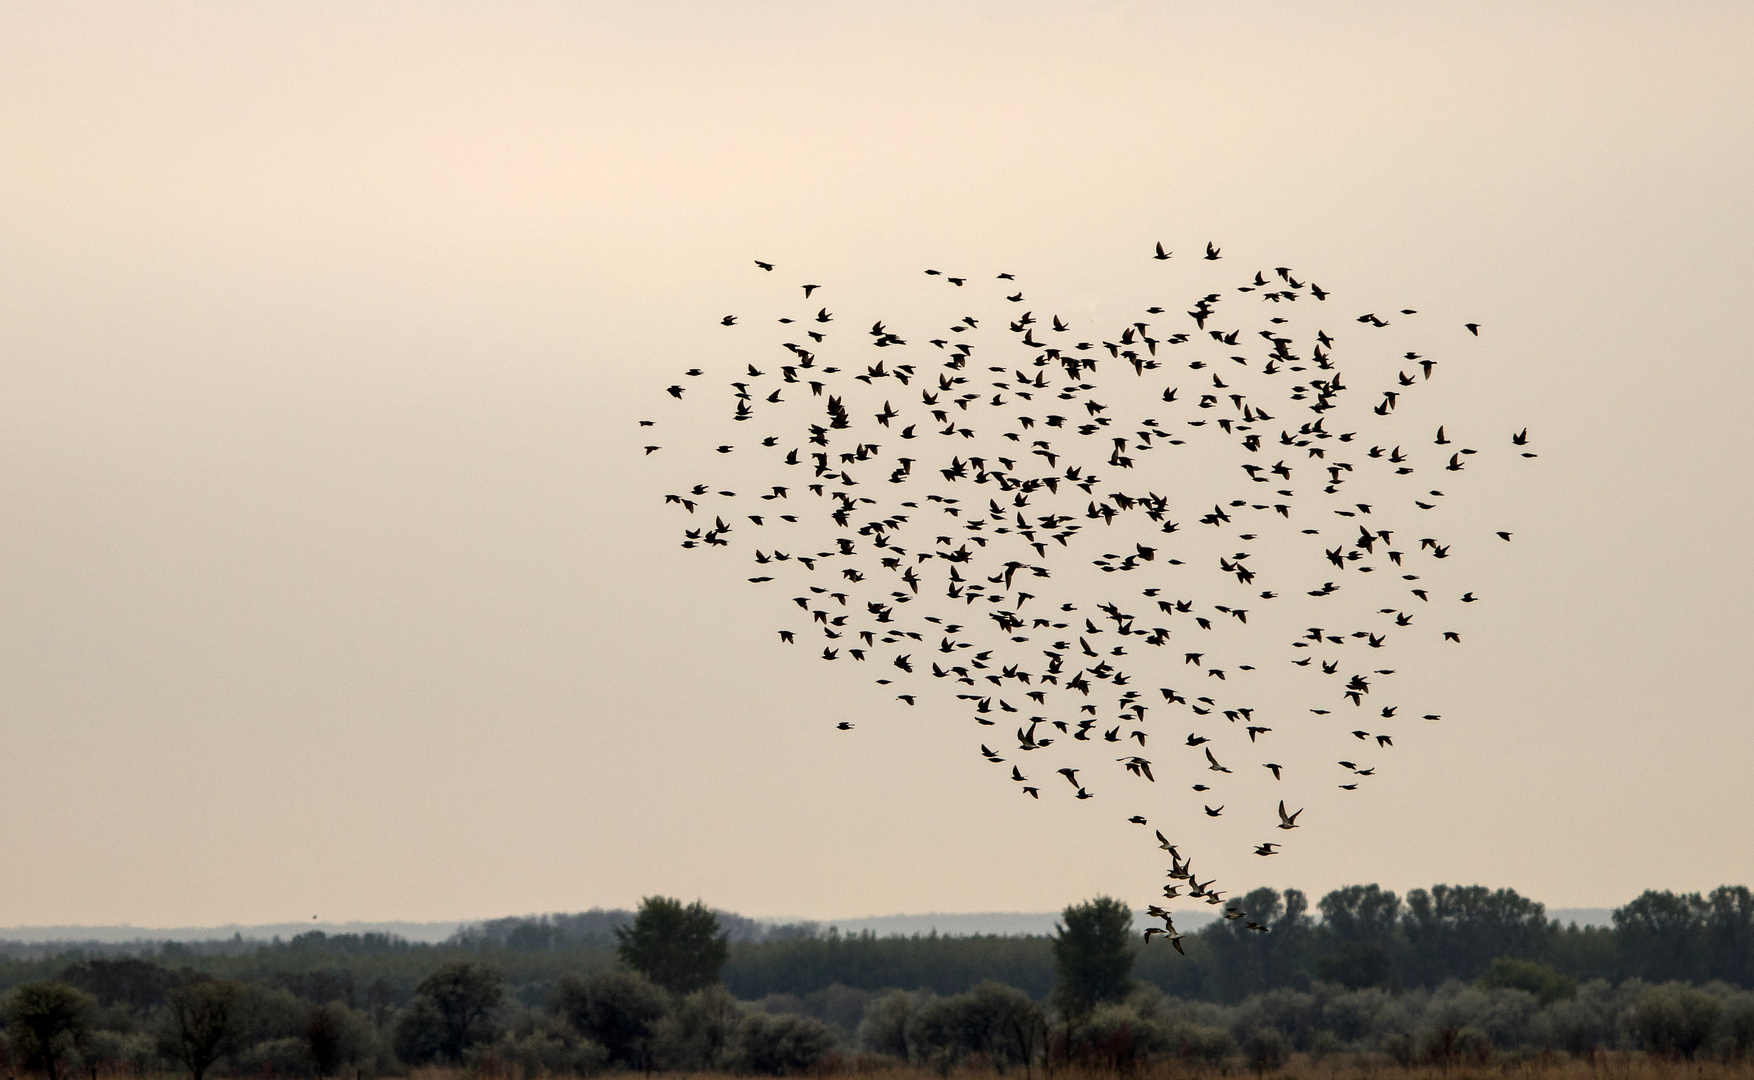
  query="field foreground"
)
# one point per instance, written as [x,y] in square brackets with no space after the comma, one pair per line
[1604,1065]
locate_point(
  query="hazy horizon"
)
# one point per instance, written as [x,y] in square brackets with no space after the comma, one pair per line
[895,924]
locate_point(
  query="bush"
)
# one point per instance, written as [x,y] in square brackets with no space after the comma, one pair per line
[338,1036]
[993,1021]
[619,1010]
[1398,1045]
[885,1025]
[699,1033]
[1118,1036]
[119,1051]
[1447,1046]
[782,1045]
[1289,1012]
[289,1057]
[1541,980]
[1266,1049]
[1738,1024]
[536,1045]
[1352,1015]
[1675,1019]
[1200,1044]
[1572,1026]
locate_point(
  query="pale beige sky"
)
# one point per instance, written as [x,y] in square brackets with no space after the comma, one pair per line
[328,586]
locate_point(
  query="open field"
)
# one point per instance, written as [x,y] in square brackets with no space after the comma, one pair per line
[1603,1065]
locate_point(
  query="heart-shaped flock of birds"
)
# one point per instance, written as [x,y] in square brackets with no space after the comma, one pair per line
[937,501]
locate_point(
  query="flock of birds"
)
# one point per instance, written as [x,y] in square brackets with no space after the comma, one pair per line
[927,500]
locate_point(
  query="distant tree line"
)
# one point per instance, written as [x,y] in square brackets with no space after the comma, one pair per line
[1447,975]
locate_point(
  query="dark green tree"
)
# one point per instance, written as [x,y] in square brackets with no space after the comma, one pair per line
[199,1023]
[1661,935]
[1455,931]
[1729,935]
[45,1021]
[465,997]
[1093,956]
[679,948]
[139,984]
[1359,923]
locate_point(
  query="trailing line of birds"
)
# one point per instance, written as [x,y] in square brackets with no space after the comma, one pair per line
[912,534]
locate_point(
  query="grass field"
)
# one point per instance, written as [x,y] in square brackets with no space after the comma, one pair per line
[1608,1065]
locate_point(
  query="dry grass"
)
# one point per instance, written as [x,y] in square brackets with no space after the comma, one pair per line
[1613,1065]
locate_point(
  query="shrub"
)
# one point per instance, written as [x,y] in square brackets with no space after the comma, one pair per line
[885,1025]
[289,1057]
[1675,1019]
[1266,1049]
[1738,1024]
[700,1032]
[782,1045]
[992,1021]
[121,1051]
[618,1009]
[1202,1044]
[1398,1045]
[1541,980]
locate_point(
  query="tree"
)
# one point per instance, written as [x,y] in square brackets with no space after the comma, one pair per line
[336,1036]
[464,995]
[199,1024]
[1360,921]
[1729,934]
[44,1021]
[1093,956]
[139,984]
[1661,935]
[1360,913]
[1455,931]
[679,948]
[618,1009]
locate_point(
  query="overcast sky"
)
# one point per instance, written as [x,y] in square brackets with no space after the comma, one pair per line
[331,582]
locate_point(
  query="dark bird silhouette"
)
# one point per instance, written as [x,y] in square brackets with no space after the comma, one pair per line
[1287,821]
